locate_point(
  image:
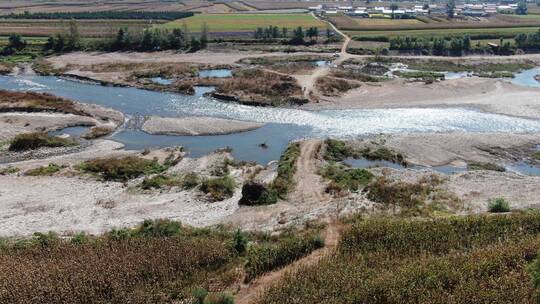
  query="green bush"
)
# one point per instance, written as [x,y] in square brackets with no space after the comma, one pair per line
[344,178]
[256,194]
[219,188]
[199,294]
[45,170]
[32,141]
[284,180]
[536,155]
[157,228]
[122,169]
[485,166]
[337,150]
[160,181]
[219,298]
[267,257]
[498,205]
[240,241]
[190,181]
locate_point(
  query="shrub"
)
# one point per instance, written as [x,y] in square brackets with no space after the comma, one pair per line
[96,132]
[334,86]
[485,166]
[160,181]
[219,188]
[45,170]
[80,238]
[122,169]
[9,170]
[337,150]
[190,181]
[536,155]
[157,228]
[219,298]
[498,205]
[240,241]
[199,294]
[32,141]
[267,257]
[45,239]
[345,179]
[254,194]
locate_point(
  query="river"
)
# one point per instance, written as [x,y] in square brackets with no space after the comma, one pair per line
[282,124]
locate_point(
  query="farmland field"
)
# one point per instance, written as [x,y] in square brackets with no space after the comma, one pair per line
[351,24]
[503,32]
[87,28]
[244,22]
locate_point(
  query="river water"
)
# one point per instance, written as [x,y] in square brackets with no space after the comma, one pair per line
[282,125]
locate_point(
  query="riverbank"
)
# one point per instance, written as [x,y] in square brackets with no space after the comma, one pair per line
[490,95]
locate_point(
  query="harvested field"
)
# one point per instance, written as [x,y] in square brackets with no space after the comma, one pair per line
[244,22]
[87,28]
[350,24]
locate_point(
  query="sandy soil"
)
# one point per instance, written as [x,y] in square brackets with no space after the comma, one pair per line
[492,95]
[456,148]
[196,126]
[203,57]
[12,124]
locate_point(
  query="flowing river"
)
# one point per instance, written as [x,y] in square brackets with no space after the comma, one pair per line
[282,124]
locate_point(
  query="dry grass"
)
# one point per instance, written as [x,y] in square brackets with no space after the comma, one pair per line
[36,102]
[261,87]
[330,86]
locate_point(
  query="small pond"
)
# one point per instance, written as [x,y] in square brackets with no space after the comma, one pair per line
[219,73]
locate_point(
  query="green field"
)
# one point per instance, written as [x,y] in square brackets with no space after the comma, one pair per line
[243,22]
[507,31]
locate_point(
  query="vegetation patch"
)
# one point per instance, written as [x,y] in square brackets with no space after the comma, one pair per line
[9,170]
[338,150]
[536,155]
[485,166]
[284,180]
[423,75]
[498,205]
[255,194]
[32,141]
[420,198]
[470,259]
[259,87]
[356,75]
[122,169]
[345,179]
[262,258]
[45,170]
[160,181]
[97,132]
[36,102]
[330,86]
[219,188]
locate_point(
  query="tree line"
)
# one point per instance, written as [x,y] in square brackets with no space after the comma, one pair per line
[144,41]
[102,15]
[296,36]
[458,46]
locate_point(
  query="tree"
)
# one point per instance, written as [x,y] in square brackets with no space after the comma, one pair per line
[450,8]
[284,31]
[393,7]
[16,42]
[73,39]
[521,8]
[204,35]
[467,43]
[425,7]
[298,36]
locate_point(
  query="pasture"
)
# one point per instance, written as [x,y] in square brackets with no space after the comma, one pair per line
[243,22]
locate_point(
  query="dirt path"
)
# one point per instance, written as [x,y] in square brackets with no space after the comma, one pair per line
[249,294]
[309,186]
[310,91]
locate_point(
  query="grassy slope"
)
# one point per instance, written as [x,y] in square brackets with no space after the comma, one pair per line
[244,22]
[475,259]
